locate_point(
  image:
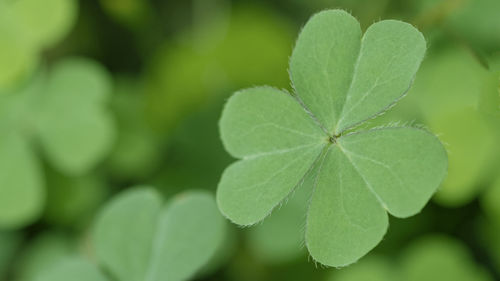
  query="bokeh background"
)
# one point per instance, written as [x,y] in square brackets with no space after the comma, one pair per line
[100,96]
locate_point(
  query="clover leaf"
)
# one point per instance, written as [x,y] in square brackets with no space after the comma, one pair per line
[341,79]
[64,112]
[136,238]
[27,27]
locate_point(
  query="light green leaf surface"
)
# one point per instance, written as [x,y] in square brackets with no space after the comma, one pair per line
[124,232]
[344,220]
[345,79]
[26,28]
[18,59]
[74,269]
[403,166]
[341,80]
[190,231]
[40,23]
[77,90]
[46,250]
[137,239]
[22,191]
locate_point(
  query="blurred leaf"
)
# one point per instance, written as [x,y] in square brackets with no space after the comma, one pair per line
[395,169]
[136,239]
[26,27]
[18,59]
[22,191]
[77,90]
[65,111]
[74,269]
[41,23]
[44,251]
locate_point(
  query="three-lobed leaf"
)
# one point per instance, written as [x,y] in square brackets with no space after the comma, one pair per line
[136,238]
[341,79]
[63,111]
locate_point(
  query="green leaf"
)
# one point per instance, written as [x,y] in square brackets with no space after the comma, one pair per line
[39,23]
[124,232]
[44,251]
[26,28]
[278,145]
[137,239]
[77,89]
[22,191]
[75,269]
[345,79]
[341,80]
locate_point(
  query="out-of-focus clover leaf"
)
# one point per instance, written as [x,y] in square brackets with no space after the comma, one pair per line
[202,64]
[341,80]
[21,183]
[44,251]
[75,127]
[138,239]
[75,269]
[433,257]
[26,28]
[64,112]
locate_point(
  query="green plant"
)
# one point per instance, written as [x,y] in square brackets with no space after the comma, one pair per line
[27,27]
[340,81]
[64,112]
[136,238]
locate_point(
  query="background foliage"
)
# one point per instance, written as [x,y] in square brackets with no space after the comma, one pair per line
[99,96]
